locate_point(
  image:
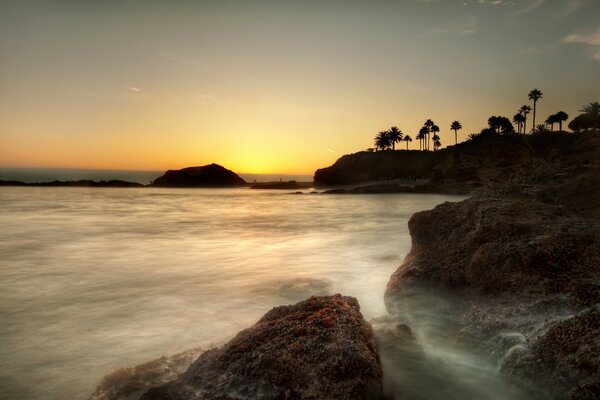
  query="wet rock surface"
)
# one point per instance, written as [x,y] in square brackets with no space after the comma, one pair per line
[320,348]
[521,262]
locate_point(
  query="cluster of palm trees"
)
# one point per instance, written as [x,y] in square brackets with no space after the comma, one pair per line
[520,118]
[428,135]
[557,118]
[388,139]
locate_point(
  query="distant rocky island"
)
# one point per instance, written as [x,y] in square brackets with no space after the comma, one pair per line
[79,183]
[212,175]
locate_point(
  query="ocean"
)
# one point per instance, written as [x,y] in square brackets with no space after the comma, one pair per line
[94,279]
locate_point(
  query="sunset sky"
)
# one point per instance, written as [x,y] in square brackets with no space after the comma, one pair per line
[275,86]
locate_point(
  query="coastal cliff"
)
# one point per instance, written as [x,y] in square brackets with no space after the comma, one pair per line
[462,168]
[517,267]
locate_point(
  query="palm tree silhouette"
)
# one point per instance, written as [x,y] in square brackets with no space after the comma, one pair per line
[395,135]
[435,130]
[592,109]
[551,120]
[436,142]
[519,119]
[535,95]
[540,128]
[456,126]
[382,140]
[525,109]
[422,136]
[561,117]
[407,139]
[428,125]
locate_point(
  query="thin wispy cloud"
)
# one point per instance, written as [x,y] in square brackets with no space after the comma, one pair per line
[589,38]
[532,6]
[133,89]
[183,60]
[331,151]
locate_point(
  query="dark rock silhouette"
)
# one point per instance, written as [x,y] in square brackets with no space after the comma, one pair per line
[320,348]
[212,175]
[290,185]
[80,183]
[463,168]
[521,258]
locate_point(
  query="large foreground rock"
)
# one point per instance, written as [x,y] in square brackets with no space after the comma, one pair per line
[320,348]
[212,175]
[519,267]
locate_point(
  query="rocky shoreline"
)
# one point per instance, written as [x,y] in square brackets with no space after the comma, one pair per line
[514,270]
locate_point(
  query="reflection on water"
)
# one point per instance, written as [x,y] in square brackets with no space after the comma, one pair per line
[96,279]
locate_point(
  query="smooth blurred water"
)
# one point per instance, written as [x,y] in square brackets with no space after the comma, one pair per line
[96,279]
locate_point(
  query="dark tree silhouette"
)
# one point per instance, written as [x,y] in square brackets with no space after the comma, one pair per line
[429,125]
[500,124]
[382,140]
[395,135]
[524,110]
[535,95]
[435,130]
[582,122]
[590,118]
[422,136]
[551,120]
[561,117]
[407,139]
[592,109]
[519,119]
[456,126]
[436,143]
[540,128]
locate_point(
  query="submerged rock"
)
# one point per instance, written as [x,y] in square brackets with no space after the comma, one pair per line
[521,262]
[320,348]
[212,175]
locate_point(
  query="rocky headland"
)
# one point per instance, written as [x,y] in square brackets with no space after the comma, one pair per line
[212,175]
[463,168]
[517,267]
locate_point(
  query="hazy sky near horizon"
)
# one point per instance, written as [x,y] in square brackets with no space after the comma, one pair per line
[275,86]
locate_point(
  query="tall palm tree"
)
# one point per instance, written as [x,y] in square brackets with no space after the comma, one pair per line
[456,126]
[525,109]
[519,119]
[422,136]
[435,130]
[407,139]
[535,95]
[561,117]
[395,135]
[428,125]
[382,140]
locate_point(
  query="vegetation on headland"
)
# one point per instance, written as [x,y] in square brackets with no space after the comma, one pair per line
[429,139]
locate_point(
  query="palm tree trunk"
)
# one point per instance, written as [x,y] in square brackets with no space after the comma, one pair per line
[455,138]
[560,126]
[525,126]
[534,106]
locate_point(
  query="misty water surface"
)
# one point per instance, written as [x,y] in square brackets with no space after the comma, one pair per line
[96,279]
